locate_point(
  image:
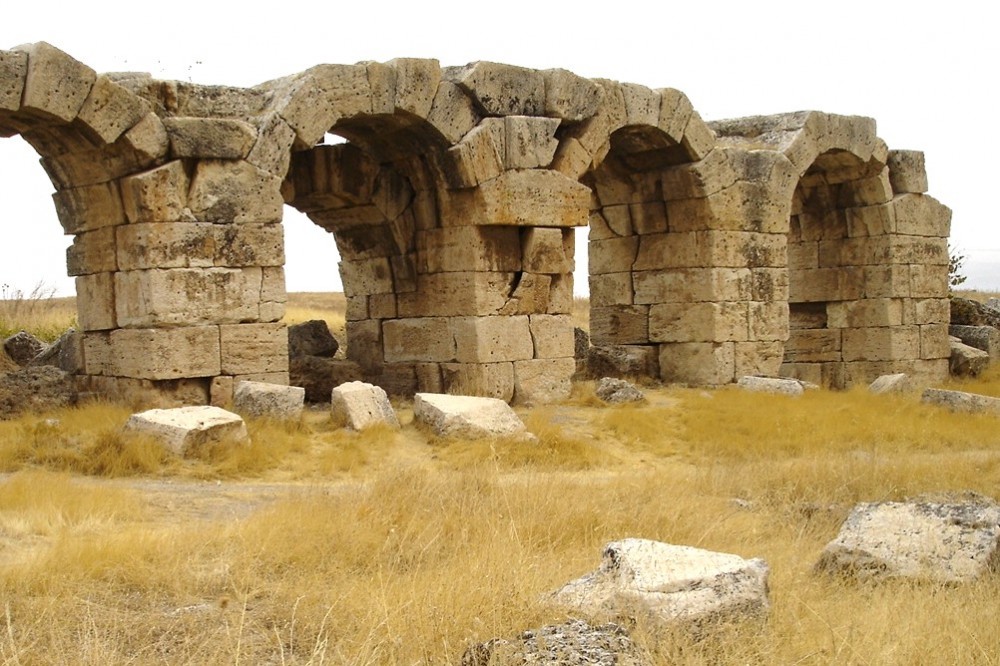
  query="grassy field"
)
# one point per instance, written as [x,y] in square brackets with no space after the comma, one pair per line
[316,545]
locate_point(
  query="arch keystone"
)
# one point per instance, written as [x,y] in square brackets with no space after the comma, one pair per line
[56,85]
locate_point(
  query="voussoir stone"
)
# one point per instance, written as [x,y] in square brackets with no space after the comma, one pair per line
[274,401]
[617,391]
[360,405]
[944,542]
[22,347]
[572,643]
[777,385]
[183,428]
[675,585]
[467,416]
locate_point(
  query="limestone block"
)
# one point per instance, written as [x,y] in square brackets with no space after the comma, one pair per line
[945,543]
[758,357]
[648,218]
[359,405]
[480,156]
[611,289]
[698,363]
[472,249]
[674,585]
[966,361]
[921,215]
[238,245]
[418,339]
[147,139]
[881,344]
[162,353]
[95,302]
[959,401]
[572,159]
[167,245]
[364,343]
[619,325]
[272,149]
[672,250]
[535,198]
[530,295]
[493,380]
[895,383]
[55,85]
[768,320]
[453,112]
[875,220]
[416,84]
[110,110]
[542,381]
[489,339]
[698,322]
[253,349]
[929,311]
[574,640]
[428,377]
[614,255]
[689,285]
[466,417]
[699,139]
[814,345]
[503,90]
[642,105]
[529,142]
[263,400]
[768,284]
[561,294]
[219,138]
[13,69]
[816,285]
[272,285]
[570,97]
[220,392]
[366,276]
[457,294]
[545,250]
[398,379]
[97,354]
[90,207]
[158,195]
[867,312]
[623,361]
[888,281]
[701,179]
[552,335]
[313,101]
[675,113]
[92,252]
[907,172]
[986,338]
[164,297]
[618,391]
[777,385]
[183,429]
[234,192]
[618,217]
[867,191]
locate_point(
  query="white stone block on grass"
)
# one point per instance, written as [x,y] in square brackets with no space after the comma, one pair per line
[463,416]
[777,385]
[897,383]
[359,405]
[675,585]
[960,401]
[183,428]
[942,542]
[264,400]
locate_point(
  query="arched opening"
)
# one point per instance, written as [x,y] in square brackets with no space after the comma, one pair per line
[841,220]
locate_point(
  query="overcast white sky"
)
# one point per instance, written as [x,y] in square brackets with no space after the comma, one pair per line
[926,71]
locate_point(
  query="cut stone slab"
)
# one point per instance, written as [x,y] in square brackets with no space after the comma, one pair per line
[959,401]
[950,543]
[966,361]
[674,584]
[183,428]
[265,400]
[897,383]
[985,338]
[618,391]
[469,417]
[778,385]
[66,353]
[572,643]
[22,347]
[360,405]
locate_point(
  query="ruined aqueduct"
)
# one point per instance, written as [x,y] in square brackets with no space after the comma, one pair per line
[795,244]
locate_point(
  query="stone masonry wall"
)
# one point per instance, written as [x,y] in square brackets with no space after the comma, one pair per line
[796,244]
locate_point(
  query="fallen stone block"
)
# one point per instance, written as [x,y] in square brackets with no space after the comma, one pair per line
[959,401]
[35,389]
[623,361]
[265,400]
[984,338]
[778,385]
[897,383]
[22,347]
[311,338]
[618,391]
[675,585]
[359,405]
[468,417]
[572,643]
[947,543]
[182,429]
[966,361]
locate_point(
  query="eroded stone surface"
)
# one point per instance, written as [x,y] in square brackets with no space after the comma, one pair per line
[360,405]
[618,391]
[572,643]
[265,400]
[468,417]
[180,429]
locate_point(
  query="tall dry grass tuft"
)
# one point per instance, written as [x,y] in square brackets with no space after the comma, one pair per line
[38,312]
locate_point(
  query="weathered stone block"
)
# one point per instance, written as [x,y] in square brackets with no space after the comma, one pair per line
[611,289]
[866,312]
[502,90]
[966,361]
[162,353]
[452,112]
[768,320]
[13,69]
[614,255]
[457,294]
[881,344]
[778,385]
[619,325]
[489,339]
[263,400]
[313,101]
[245,245]
[359,405]
[164,297]
[92,252]
[362,277]
[552,335]
[364,344]
[253,348]
[183,429]
[91,207]
[469,249]
[419,339]
[158,195]
[536,198]
[494,380]
[55,85]
[529,142]
[921,215]
[690,285]
[907,172]
[570,97]
[466,417]
[167,245]
[542,381]
[698,322]
[758,357]
[698,363]
[545,250]
[95,302]
[623,361]
[814,345]
[228,191]
[110,110]
[894,383]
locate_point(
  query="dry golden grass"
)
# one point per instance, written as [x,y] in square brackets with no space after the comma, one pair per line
[392,547]
[38,313]
[328,306]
